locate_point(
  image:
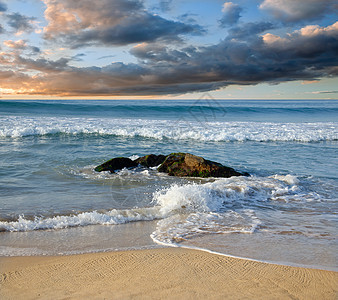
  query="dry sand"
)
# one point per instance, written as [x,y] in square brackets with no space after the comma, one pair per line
[168,273]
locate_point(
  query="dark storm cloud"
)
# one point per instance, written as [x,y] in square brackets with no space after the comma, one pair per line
[120,22]
[247,56]
[142,28]
[311,42]
[158,52]
[298,10]
[20,22]
[306,54]
[44,65]
[231,14]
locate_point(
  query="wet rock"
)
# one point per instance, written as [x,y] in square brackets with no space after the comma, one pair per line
[174,164]
[186,164]
[151,160]
[115,164]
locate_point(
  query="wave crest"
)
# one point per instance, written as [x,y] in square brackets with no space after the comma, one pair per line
[15,127]
[223,206]
[112,217]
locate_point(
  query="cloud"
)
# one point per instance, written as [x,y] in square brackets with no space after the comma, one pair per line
[310,81]
[251,29]
[106,56]
[306,54]
[310,41]
[3,7]
[297,10]
[119,22]
[159,53]
[35,50]
[325,92]
[20,44]
[20,23]
[231,14]
[78,57]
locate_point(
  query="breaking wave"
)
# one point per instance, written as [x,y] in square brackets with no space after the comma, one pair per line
[18,126]
[112,217]
[184,211]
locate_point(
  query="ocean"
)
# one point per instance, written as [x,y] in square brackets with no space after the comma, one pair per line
[52,202]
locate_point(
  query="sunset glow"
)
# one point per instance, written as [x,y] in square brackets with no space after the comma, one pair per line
[140,49]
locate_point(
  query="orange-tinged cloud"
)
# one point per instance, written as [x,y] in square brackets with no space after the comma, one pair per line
[20,44]
[310,81]
[163,68]
[306,34]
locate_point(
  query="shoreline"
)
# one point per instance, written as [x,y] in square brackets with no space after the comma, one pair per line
[279,263]
[159,245]
[159,273]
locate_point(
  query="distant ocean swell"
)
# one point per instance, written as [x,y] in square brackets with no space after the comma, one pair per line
[19,126]
[194,107]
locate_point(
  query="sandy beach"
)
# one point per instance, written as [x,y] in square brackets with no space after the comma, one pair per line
[166,273]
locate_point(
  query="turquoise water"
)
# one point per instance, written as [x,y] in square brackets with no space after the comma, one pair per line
[53,202]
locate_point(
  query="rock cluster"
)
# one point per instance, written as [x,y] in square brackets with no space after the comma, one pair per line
[174,164]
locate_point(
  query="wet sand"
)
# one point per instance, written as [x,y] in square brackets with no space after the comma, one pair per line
[165,273]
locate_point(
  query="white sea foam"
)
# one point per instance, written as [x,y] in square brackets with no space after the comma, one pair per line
[178,228]
[188,209]
[134,157]
[15,126]
[221,206]
[138,174]
[289,179]
[16,251]
[223,193]
[112,217]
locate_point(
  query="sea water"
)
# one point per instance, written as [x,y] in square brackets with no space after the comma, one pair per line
[53,202]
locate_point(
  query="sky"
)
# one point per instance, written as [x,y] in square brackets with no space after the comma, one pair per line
[169,49]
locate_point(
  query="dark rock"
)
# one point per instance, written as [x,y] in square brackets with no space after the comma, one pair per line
[174,164]
[186,164]
[115,164]
[151,160]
